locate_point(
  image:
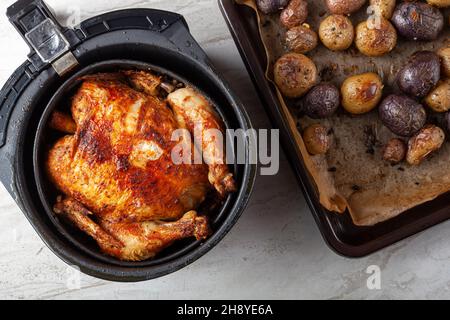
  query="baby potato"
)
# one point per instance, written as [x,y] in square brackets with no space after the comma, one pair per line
[444,54]
[374,41]
[295,74]
[395,151]
[420,74]
[362,93]
[385,8]
[428,140]
[271,6]
[402,115]
[337,32]
[344,6]
[439,97]
[301,39]
[418,21]
[439,3]
[322,101]
[317,139]
[294,14]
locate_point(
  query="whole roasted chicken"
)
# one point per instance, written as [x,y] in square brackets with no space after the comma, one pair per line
[116,169]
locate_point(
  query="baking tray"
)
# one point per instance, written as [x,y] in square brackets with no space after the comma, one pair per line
[339,232]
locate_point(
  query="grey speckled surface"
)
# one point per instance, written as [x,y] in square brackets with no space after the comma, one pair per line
[274,252]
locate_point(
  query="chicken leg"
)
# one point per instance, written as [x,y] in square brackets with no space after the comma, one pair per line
[133,241]
[193,111]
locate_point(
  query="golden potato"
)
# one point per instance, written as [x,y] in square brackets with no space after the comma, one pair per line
[373,40]
[362,93]
[301,39]
[337,32]
[317,139]
[295,74]
[385,8]
[439,98]
[294,14]
[427,141]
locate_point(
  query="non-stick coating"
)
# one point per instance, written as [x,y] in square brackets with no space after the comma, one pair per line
[47,193]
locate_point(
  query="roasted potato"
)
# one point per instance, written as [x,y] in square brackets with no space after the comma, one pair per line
[418,21]
[384,8]
[322,101]
[295,74]
[361,93]
[420,74]
[402,115]
[395,151]
[301,39]
[337,32]
[344,6]
[439,97]
[444,54]
[428,140]
[374,41]
[439,3]
[271,6]
[317,139]
[294,14]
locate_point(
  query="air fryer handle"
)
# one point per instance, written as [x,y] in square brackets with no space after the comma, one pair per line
[43,34]
[179,34]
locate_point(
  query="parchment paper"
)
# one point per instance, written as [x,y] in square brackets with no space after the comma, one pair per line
[353,175]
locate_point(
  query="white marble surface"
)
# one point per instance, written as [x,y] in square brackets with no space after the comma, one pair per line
[274,252]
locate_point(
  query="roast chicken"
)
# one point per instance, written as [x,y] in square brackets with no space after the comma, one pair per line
[115,167]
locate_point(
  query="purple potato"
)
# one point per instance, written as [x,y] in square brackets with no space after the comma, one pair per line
[402,115]
[420,75]
[322,101]
[271,6]
[418,21]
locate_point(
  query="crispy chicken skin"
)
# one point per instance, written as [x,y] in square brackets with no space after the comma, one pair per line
[193,110]
[115,167]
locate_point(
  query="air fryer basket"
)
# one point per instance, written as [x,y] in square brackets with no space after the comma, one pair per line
[139,38]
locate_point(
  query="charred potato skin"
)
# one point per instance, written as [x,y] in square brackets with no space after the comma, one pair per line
[395,151]
[295,74]
[384,7]
[271,6]
[362,93]
[402,115]
[344,6]
[420,74]
[317,139]
[377,41]
[439,3]
[322,101]
[337,32]
[444,54]
[418,21]
[301,39]
[439,98]
[294,14]
[428,140]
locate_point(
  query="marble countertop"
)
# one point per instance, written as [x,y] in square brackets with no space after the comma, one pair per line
[274,252]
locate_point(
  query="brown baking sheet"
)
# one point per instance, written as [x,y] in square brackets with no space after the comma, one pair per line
[353,176]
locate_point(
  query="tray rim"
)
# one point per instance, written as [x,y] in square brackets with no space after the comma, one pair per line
[290,147]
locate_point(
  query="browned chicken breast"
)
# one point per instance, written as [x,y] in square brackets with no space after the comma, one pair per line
[116,171]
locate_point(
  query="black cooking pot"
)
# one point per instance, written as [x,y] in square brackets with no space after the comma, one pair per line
[127,39]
